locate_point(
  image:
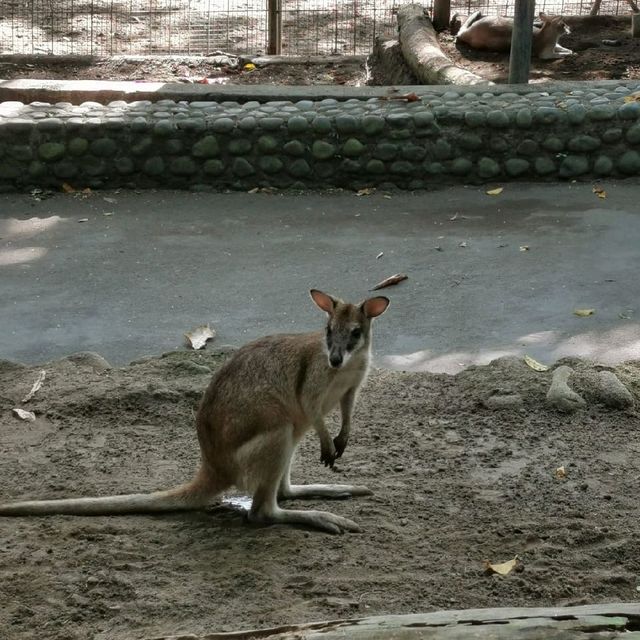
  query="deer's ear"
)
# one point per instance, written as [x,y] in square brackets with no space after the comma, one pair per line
[374,307]
[323,300]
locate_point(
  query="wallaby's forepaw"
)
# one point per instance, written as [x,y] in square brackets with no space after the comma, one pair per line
[340,443]
[328,454]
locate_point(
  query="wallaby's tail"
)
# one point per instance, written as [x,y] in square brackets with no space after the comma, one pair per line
[192,496]
[474,17]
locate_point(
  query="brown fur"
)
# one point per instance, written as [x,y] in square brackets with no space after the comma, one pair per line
[255,411]
[494,34]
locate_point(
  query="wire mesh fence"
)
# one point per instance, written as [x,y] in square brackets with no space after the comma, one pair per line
[201,27]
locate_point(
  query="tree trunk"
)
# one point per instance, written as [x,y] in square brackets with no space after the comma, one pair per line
[420,48]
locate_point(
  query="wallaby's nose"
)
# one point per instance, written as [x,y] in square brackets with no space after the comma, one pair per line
[335,360]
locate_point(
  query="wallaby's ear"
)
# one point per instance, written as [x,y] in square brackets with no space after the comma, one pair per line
[543,16]
[374,307]
[323,300]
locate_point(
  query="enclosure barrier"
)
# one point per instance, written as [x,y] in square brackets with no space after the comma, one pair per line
[446,136]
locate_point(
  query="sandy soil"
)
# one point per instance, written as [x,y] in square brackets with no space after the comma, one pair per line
[455,483]
[593,59]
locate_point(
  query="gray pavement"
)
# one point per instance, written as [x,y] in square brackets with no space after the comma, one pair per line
[130,284]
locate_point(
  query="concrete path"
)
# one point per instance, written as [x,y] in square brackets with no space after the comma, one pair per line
[129,284]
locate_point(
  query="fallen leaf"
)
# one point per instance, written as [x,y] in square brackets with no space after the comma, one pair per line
[67,188]
[600,192]
[463,245]
[83,219]
[391,280]
[560,473]
[583,313]
[29,416]
[198,337]
[380,255]
[108,213]
[524,247]
[254,190]
[534,364]
[365,192]
[634,97]
[388,197]
[36,386]
[495,192]
[249,66]
[503,569]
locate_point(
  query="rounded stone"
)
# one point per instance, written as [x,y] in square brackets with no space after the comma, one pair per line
[65,169]
[239,146]
[399,120]
[322,150]
[153,166]
[164,128]
[629,111]
[10,169]
[351,166]
[553,143]
[140,124]
[572,166]
[249,123]
[51,125]
[21,152]
[524,118]
[299,168]
[124,166]
[475,118]
[442,150]
[583,143]
[270,164]
[401,167]
[527,148]
[78,146]
[267,144]
[103,147]
[242,168]
[498,119]
[324,169]
[213,167]
[611,136]
[271,124]
[602,112]
[516,167]
[223,125]
[629,163]
[93,166]
[400,134]
[294,148]
[603,166]
[488,168]
[297,124]
[373,125]
[375,166]
[385,151]
[547,115]
[423,118]
[461,167]
[499,143]
[37,169]
[413,152]
[322,124]
[173,146]
[353,148]
[206,147]
[51,151]
[544,166]
[470,141]
[346,124]
[633,134]
[576,113]
[433,168]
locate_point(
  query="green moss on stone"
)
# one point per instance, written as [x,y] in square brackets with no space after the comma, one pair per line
[572,166]
[299,168]
[268,144]
[544,166]
[488,168]
[51,151]
[322,150]
[583,143]
[294,148]
[78,146]
[213,167]
[385,151]
[629,163]
[461,167]
[516,167]
[154,166]
[239,146]
[103,147]
[242,168]
[353,148]
[271,164]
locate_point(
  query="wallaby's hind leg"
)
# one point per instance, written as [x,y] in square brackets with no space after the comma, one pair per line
[275,454]
[288,491]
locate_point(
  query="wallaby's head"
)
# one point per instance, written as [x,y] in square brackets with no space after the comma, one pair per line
[554,24]
[348,325]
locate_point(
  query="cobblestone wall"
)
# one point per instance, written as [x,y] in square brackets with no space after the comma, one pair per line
[447,136]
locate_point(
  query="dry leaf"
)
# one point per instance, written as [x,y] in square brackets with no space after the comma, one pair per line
[365,192]
[388,197]
[29,416]
[108,213]
[583,313]
[503,569]
[524,247]
[634,97]
[36,386]
[534,364]
[495,192]
[600,192]
[254,190]
[391,280]
[462,244]
[198,337]
[67,188]
[380,255]
[249,66]
[560,473]
[83,219]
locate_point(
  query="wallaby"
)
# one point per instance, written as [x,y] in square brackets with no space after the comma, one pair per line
[252,416]
[494,34]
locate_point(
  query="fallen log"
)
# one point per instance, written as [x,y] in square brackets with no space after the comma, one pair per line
[422,53]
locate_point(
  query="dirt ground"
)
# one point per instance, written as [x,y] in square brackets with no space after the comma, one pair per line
[455,484]
[593,59]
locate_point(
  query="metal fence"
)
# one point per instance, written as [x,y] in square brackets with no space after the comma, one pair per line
[201,27]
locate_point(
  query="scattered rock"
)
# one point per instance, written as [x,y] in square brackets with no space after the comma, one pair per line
[560,396]
[503,400]
[611,392]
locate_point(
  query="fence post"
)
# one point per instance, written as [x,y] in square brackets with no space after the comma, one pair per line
[441,14]
[521,39]
[274,11]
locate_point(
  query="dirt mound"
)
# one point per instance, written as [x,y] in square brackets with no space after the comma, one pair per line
[458,478]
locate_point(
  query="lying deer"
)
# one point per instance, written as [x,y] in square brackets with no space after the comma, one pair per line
[253,415]
[494,34]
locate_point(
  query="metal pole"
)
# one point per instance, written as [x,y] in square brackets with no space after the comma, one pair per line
[441,14]
[520,58]
[274,46]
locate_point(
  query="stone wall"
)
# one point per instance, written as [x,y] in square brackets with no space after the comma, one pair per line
[446,136]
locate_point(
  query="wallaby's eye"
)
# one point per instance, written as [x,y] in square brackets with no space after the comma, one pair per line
[356,333]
